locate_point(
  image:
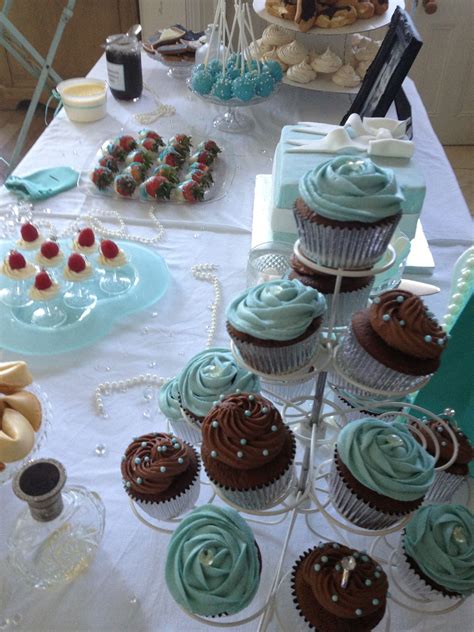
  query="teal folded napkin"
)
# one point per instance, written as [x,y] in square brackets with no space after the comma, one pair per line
[43,184]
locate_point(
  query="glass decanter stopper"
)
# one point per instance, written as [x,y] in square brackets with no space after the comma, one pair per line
[56,536]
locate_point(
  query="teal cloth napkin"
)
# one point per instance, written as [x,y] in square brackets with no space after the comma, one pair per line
[43,184]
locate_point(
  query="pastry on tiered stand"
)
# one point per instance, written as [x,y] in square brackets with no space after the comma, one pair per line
[30,239]
[44,291]
[18,271]
[85,242]
[49,256]
[78,272]
[113,260]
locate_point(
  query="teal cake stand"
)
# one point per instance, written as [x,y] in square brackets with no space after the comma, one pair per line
[149,277]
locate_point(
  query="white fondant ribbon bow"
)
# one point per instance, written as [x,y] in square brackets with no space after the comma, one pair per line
[375,136]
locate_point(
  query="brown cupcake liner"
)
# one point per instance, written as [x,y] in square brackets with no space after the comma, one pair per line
[357,364]
[445,485]
[354,508]
[296,620]
[340,247]
[281,359]
[347,304]
[414,583]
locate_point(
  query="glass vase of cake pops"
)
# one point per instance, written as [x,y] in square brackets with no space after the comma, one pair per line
[237,76]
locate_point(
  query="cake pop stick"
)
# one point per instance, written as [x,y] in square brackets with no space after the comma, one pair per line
[216,19]
[256,47]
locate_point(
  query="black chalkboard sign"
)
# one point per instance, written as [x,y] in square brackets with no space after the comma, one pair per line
[385,75]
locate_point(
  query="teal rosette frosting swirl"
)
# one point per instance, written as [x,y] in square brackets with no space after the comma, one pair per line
[351,189]
[440,538]
[208,375]
[168,400]
[276,310]
[213,566]
[386,458]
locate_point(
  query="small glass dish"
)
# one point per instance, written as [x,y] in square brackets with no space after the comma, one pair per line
[268,261]
[176,69]
[9,469]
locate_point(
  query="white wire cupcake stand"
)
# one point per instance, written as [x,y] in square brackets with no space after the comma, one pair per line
[316,426]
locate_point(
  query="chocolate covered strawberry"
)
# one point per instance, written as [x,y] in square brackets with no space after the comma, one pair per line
[156,188]
[202,177]
[198,165]
[16,260]
[109,162]
[102,177]
[202,156]
[190,191]
[49,249]
[114,148]
[170,156]
[209,146]
[128,143]
[151,145]
[137,170]
[140,155]
[170,173]
[149,133]
[125,185]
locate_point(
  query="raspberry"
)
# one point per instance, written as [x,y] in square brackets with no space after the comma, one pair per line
[76,262]
[109,249]
[43,281]
[29,232]
[49,249]
[16,260]
[86,238]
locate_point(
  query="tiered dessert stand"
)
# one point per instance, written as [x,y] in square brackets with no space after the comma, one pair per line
[316,420]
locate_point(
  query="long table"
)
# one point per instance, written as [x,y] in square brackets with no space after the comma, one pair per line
[124,588]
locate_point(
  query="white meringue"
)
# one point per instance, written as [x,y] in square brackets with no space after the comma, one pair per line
[301,73]
[362,68]
[346,77]
[275,35]
[292,54]
[273,56]
[260,49]
[326,63]
[367,51]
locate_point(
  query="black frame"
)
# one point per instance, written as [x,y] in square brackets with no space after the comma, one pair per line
[384,78]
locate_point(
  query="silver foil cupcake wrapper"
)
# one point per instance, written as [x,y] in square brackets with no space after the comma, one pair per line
[350,248]
[354,509]
[186,429]
[357,364]
[445,485]
[351,415]
[259,498]
[278,360]
[175,506]
[347,304]
[412,582]
[289,390]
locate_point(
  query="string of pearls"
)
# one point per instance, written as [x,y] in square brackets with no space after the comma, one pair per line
[161,109]
[108,388]
[461,291]
[204,272]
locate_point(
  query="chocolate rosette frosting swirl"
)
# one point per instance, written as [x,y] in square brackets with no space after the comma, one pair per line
[446,444]
[244,431]
[402,320]
[366,590]
[153,461]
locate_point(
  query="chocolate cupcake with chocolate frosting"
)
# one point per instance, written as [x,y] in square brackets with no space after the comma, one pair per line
[247,450]
[394,345]
[337,588]
[353,294]
[448,480]
[160,473]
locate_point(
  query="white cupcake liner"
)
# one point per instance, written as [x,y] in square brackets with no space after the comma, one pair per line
[186,429]
[258,498]
[357,364]
[347,304]
[279,360]
[356,510]
[445,485]
[412,582]
[293,390]
[174,507]
[350,248]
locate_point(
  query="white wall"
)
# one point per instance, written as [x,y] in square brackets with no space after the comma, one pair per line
[158,14]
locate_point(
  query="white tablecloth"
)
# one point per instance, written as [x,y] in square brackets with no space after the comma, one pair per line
[124,589]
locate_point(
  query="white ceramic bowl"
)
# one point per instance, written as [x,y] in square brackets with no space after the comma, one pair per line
[84,99]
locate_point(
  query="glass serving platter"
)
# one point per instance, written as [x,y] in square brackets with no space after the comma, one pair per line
[149,277]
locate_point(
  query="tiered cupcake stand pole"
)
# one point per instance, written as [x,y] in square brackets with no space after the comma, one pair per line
[308,494]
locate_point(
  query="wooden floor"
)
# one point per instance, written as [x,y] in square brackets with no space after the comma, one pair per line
[461,157]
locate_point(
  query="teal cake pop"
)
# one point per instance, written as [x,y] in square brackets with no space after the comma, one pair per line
[222,89]
[274,69]
[202,81]
[243,87]
[232,71]
[264,85]
[214,66]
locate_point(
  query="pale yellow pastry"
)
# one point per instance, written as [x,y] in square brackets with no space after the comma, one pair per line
[17,273]
[49,262]
[28,405]
[346,77]
[44,288]
[293,53]
[14,376]
[17,436]
[77,277]
[110,255]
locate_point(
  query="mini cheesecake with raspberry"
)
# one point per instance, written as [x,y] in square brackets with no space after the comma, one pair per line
[49,255]
[30,237]
[110,255]
[102,177]
[16,267]
[44,288]
[189,191]
[156,188]
[170,173]
[125,185]
[78,269]
[85,242]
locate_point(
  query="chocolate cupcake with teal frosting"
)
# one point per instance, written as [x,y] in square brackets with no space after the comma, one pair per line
[275,325]
[213,564]
[380,473]
[168,401]
[347,212]
[436,552]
